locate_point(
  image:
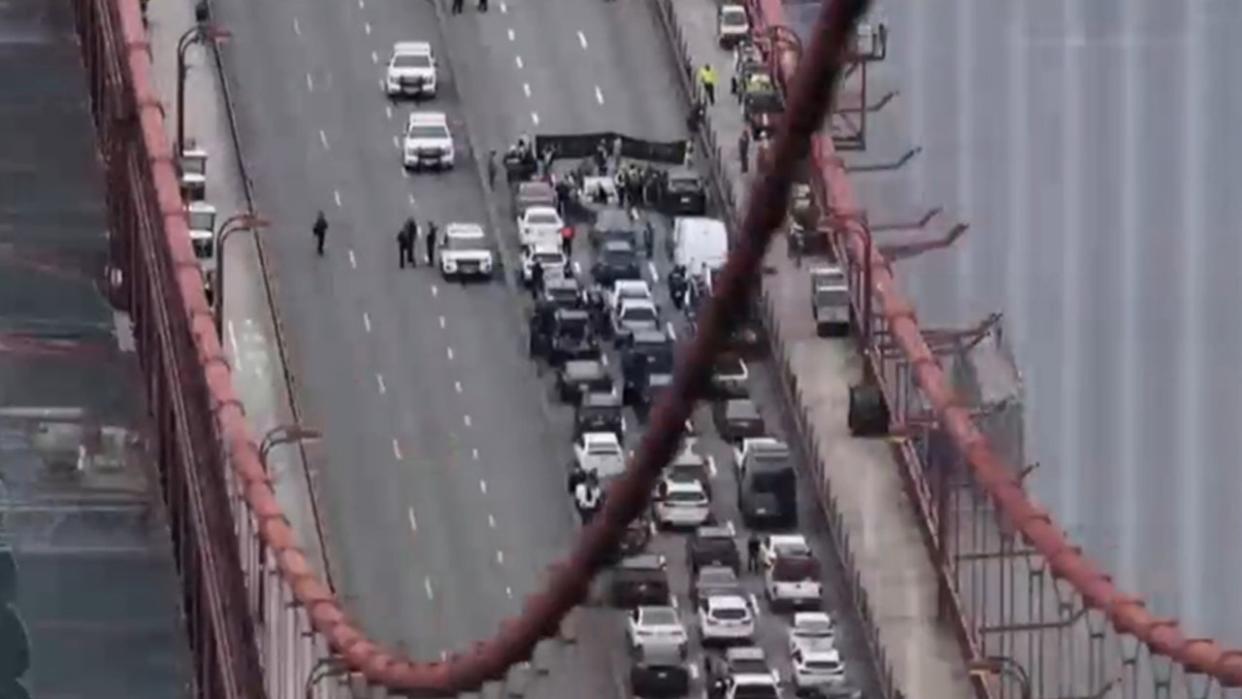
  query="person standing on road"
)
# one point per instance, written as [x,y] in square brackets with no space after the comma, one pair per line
[403,246]
[707,79]
[743,150]
[567,241]
[536,280]
[752,553]
[411,234]
[649,239]
[431,243]
[482,5]
[457,7]
[320,231]
[587,497]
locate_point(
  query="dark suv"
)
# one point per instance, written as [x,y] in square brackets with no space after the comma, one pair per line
[712,546]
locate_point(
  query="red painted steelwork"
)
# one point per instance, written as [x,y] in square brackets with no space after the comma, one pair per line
[1127,614]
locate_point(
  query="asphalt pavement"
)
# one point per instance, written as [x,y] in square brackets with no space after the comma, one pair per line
[1091,147]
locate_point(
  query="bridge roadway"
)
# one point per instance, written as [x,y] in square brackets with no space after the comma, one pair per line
[1091,147]
[441,485]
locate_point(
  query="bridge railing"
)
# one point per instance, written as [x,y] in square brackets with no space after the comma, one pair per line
[1028,605]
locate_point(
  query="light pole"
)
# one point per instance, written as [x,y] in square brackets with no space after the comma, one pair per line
[284,434]
[325,668]
[201,31]
[232,224]
[1004,666]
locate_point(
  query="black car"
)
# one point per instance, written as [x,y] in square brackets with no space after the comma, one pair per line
[613,225]
[563,293]
[657,672]
[634,540]
[572,336]
[616,260]
[579,376]
[736,419]
[600,412]
[712,546]
[714,580]
[646,361]
[640,580]
[683,194]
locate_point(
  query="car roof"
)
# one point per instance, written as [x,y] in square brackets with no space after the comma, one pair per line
[427,119]
[200,207]
[746,653]
[741,407]
[536,188]
[630,284]
[584,367]
[713,532]
[547,250]
[597,399]
[614,219]
[811,618]
[637,302]
[464,230]
[649,336]
[819,653]
[646,561]
[541,209]
[412,48]
[721,571]
[728,599]
[619,245]
[787,540]
[689,486]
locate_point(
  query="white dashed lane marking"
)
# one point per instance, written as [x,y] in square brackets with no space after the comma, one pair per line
[449,352]
[413,521]
[427,587]
[512,35]
[483,486]
[500,557]
[297,28]
[396,448]
[671,332]
[534,116]
[655,276]
[366,321]
[336,196]
[367,28]
[599,95]
[353,261]
[388,111]
[435,290]
[374,57]
[504,9]
[526,88]
[491,522]
[518,61]
[508,592]
[379,380]
[457,386]
[310,83]
[474,454]
[466,419]
[582,40]
[323,138]
[442,322]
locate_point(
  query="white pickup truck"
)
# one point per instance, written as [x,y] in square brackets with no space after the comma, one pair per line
[539,226]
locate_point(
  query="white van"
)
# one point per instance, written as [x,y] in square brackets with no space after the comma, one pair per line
[699,243]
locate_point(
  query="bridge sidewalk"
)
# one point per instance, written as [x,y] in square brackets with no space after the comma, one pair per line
[249,327]
[879,521]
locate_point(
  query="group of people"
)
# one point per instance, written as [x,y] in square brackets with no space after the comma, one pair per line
[407,240]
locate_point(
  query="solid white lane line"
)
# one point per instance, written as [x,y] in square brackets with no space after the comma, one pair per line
[711,467]
[491,522]
[526,88]
[237,362]
[374,57]
[474,454]
[534,116]
[512,35]
[442,321]
[427,587]
[754,605]
[396,448]
[336,196]
[582,40]
[297,28]
[457,386]
[366,320]
[388,111]
[655,276]
[449,352]
[323,138]
[413,521]
[367,27]
[599,95]
[466,419]
[483,486]
[353,261]
[671,332]
[310,83]
[379,379]
[518,61]
[578,268]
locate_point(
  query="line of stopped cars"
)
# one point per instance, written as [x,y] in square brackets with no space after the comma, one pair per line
[582,336]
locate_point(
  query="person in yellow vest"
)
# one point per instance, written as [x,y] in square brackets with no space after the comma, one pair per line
[707,79]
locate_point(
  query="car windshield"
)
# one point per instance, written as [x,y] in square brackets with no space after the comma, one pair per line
[411,60]
[600,415]
[831,297]
[728,366]
[603,449]
[717,577]
[823,665]
[749,666]
[730,613]
[686,497]
[639,314]
[659,358]
[542,218]
[202,221]
[683,184]
[427,132]
[659,617]
[562,294]
[618,256]
[194,166]
[755,691]
[815,629]
[549,258]
[459,243]
[733,16]
[575,328]
[795,569]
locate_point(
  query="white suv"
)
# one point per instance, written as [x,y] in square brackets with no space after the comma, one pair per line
[428,141]
[656,626]
[465,251]
[411,70]
[725,619]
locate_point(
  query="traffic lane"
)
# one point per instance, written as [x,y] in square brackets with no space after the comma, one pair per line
[318,308]
[454,538]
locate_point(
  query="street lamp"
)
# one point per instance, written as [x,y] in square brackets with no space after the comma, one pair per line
[202,31]
[325,668]
[232,224]
[1002,665]
[284,434]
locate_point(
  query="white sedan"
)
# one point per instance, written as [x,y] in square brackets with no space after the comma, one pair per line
[549,257]
[540,226]
[725,619]
[658,627]
[817,669]
[682,503]
[775,546]
[601,453]
[626,289]
[812,632]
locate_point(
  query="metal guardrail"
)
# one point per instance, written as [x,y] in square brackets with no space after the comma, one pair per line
[261,622]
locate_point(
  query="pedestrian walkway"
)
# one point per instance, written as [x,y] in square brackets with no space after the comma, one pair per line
[880,524]
[259,374]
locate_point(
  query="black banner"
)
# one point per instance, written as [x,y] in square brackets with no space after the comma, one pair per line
[585,145]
